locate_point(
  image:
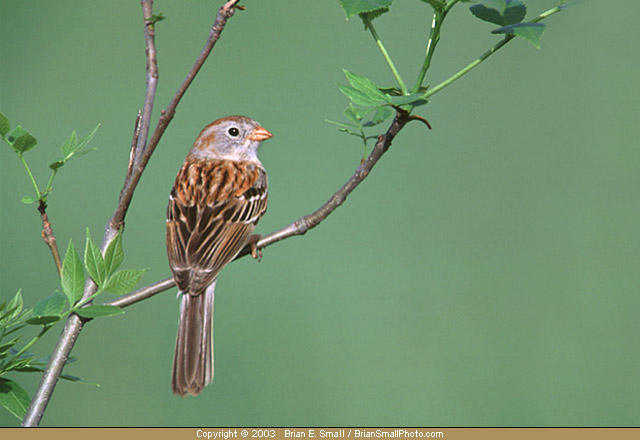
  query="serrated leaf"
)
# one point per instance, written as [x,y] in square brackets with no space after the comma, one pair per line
[27,200]
[514,12]
[14,398]
[124,281]
[353,7]
[500,12]
[72,277]
[114,254]
[532,32]
[24,143]
[94,262]
[5,126]
[99,311]
[69,145]
[368,17]
[366,86]
[47,309]
[435,4]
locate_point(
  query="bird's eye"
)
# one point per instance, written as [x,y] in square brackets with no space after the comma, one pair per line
[233,131]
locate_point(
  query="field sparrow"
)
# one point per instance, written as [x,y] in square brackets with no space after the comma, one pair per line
[219,195]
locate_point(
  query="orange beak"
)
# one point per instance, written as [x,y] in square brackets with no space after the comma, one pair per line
[259,134]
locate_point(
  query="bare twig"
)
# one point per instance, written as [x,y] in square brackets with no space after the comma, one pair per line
[48,237]
[74,324]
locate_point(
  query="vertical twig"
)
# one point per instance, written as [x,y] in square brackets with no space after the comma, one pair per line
[74,324]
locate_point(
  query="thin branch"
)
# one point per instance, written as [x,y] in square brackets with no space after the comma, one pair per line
[152,76]
[48,237]
[304,224]
[74,324]
[310,221]
[144,293]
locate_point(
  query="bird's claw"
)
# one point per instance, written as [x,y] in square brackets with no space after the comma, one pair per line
[256,253]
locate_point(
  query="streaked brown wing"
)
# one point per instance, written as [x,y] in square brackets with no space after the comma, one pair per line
[206,229]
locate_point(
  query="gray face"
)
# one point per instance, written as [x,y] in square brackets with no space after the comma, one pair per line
[230,138]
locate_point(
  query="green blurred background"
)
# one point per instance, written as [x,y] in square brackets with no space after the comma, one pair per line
[486,273]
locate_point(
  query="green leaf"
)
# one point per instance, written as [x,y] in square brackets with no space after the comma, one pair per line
[368,17]
[124,281]
[14,398]
[72,277]
[353,7]
[42,320]
[85,140]
[99,311]
[532,32]
[435,4]
[414,99]
[14,307]
[514,12]
[500,12]
[351,113]
[155,18]
[69,146]
[48,310]
[5,126]
[27,200]
[366,86]
[94,262]
[24,143]
[381,115]
[15,134]
[356,96]
[53,305]
[114,255]
[4,348]
[56,162]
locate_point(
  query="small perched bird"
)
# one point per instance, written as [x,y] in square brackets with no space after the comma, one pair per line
[218,196]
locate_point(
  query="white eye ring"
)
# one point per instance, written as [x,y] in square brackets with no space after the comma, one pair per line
[233,131]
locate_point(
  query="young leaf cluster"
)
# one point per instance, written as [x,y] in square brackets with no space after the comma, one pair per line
[370,104]
[102,269]
[21,141]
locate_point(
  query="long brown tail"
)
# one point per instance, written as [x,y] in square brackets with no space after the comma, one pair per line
[193,358]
